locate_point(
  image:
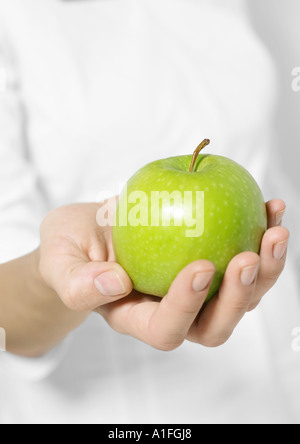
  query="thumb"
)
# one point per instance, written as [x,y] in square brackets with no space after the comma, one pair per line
[90,285]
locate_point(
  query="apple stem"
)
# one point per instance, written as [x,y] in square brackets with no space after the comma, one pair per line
[197,152]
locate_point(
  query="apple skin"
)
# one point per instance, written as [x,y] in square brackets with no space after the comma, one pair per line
[235,220]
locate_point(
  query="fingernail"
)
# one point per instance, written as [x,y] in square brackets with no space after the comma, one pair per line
[202,280]
[110,284]
[279,250]
[249,274]
[279,217]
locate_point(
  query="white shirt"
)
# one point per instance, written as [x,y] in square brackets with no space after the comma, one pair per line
[95,90]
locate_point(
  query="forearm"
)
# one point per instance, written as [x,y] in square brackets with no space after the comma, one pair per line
[33,316]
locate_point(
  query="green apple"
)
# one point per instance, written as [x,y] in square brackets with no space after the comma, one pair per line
[181,209]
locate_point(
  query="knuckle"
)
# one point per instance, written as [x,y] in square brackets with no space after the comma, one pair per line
[48,219]
[168,346]
[253,306]
[269,278]
[272,276]
[215,341]
[187,309]
[166,341]
[240,306]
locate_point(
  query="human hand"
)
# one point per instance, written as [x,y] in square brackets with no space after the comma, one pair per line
[183,314]
[78,262]
[49,292]
[77,259]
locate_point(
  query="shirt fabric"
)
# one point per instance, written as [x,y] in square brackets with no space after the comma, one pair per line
[93,91]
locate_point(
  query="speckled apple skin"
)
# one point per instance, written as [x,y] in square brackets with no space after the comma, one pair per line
[235,220]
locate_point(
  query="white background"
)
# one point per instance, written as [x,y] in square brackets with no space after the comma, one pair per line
[277,23]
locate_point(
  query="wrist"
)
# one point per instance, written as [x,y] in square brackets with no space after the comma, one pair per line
[54,320]
[38,284]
